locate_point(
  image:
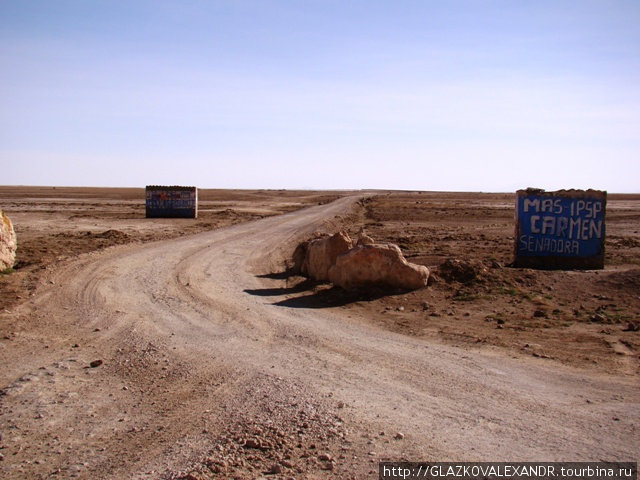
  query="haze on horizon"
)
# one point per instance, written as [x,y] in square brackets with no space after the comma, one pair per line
[321,94]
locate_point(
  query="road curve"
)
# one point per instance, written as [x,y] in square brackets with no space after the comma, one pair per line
[187,325]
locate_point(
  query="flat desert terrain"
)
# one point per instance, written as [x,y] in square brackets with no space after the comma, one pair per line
[184,349]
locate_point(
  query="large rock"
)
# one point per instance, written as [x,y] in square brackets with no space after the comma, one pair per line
[322,254]
[299,257]
[8,243]
[298,264]
[377,264]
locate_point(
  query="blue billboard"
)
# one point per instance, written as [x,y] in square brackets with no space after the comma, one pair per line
[564,229]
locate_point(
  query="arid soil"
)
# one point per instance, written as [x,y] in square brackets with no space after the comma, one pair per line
[56,224]
[197,356]
[588,319]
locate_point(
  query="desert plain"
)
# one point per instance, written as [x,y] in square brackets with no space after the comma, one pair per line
[186,349]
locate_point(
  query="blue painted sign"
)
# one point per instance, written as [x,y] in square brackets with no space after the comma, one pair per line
[560,224]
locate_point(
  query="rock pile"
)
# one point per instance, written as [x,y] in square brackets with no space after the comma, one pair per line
[8,243]
[367,264]
[454,270]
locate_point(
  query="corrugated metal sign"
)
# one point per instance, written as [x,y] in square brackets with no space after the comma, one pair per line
[563,229]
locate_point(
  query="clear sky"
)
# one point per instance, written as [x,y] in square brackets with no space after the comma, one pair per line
[428,95]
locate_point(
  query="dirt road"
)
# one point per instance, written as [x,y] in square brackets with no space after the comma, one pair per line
[200,367]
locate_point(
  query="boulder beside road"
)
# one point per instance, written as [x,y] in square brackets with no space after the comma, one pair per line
[335,259]
[8,243]
[377,264]
[321,255]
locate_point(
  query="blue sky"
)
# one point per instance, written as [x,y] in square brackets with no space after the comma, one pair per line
[427,95]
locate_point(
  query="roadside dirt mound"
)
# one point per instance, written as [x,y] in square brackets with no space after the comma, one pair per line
[115,235]
[455,270]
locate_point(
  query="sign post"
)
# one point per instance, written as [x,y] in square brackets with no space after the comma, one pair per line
[560,230]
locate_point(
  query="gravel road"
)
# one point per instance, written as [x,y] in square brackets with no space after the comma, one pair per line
[200,366]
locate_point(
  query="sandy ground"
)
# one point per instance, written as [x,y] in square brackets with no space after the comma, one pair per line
[585,319]
[196,356]
[56,224]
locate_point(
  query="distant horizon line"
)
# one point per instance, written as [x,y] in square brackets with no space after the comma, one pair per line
[305,189]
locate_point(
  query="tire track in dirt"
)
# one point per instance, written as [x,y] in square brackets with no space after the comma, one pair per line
[190,358]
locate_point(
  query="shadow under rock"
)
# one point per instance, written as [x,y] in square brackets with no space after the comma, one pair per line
[318,296]
[336,297]
[279,275]
[274,292]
